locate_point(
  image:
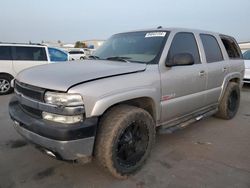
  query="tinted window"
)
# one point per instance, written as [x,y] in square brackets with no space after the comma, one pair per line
[232,48]
[184,43]
[29,53]
[211,48]
[5,53]
[57,55]
[76,52]
[246,55]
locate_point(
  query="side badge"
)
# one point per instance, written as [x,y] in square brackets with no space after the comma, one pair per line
[168,97]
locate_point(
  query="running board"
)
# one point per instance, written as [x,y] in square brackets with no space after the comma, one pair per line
[164,129]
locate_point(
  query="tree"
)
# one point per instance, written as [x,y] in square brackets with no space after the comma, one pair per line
[80,44]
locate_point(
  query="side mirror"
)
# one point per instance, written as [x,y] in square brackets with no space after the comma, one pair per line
[180,59]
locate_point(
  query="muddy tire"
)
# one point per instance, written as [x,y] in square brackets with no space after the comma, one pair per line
[230,102]
[124,140]
[5,87]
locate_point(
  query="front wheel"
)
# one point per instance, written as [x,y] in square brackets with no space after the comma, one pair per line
[5,87]
[124,140]
[230,101]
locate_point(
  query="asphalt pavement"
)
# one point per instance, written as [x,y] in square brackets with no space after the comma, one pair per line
[209,153]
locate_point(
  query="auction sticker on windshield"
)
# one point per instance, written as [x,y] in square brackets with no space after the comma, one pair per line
[155,34]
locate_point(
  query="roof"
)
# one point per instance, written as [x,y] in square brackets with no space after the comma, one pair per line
[21,44]
[176,29]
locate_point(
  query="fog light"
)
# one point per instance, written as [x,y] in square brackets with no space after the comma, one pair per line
[62,118]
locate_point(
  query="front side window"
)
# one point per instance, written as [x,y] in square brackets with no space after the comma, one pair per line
[5,53]
[211,48]
[23,53]
[141,47]
[57,55]
[184,43]
[231,47]
[246,55]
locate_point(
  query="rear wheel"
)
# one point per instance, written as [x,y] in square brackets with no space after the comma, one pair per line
[230,101]
[5,87]
[124,140]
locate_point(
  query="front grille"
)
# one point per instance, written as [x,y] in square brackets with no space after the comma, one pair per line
[30,91]
[32,111]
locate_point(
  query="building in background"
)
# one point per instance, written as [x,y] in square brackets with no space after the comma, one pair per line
[93,44]
[244,46]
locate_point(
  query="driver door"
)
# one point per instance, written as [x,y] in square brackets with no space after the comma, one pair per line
[183,87]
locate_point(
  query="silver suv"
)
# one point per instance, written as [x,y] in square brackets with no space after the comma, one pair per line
[110,107]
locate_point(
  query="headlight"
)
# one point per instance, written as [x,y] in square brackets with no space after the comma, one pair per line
[63,99]
[62,118]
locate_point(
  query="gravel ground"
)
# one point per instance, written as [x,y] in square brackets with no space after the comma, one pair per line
[209,153]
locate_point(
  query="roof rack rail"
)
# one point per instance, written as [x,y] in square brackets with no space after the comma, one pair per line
[30,43]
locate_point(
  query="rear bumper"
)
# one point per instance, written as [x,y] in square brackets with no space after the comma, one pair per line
[67,142]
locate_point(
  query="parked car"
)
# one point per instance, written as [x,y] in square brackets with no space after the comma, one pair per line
[136,84]
[246,56]
[77,54]
[17,57]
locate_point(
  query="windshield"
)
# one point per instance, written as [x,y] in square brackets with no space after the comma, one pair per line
[142,47]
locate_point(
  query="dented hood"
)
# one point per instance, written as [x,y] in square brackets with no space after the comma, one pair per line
[61,76]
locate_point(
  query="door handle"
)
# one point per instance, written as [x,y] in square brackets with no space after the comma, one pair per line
[202,73]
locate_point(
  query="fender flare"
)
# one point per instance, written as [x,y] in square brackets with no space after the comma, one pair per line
[233,75]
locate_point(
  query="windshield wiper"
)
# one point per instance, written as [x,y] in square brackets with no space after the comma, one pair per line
[119,58]
[94,57]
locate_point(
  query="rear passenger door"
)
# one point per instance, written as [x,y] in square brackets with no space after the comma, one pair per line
[28,56]
[182,86]
[217,68]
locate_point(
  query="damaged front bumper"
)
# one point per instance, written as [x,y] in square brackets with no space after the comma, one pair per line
[66,142]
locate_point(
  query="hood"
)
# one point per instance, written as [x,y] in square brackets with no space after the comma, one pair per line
[61,76]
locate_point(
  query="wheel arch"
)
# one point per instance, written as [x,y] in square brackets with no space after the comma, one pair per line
[6,74]
[233,77]
[146,102]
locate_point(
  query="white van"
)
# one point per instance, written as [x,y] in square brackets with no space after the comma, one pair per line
[77,54]
[17,57]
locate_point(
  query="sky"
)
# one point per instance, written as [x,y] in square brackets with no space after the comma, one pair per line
[73,20]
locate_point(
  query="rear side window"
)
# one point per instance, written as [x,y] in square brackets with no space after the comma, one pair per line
[5,53]
[232,48]
[211,48]
[76,52]
[22,53]
[184,43]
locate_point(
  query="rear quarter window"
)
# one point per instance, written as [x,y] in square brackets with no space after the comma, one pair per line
[23,53]
[211,48]
[231,47]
